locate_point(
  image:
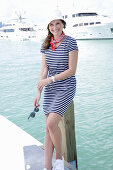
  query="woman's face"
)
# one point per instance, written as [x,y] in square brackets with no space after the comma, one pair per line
[56,27]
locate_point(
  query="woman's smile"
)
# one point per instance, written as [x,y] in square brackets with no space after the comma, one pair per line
[56,27]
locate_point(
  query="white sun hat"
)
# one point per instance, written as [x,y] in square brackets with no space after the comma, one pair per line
[54,15]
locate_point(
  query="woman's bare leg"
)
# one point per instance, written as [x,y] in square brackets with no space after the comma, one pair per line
[55,133]
[49,148]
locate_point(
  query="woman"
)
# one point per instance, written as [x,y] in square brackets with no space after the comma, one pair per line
[57,75]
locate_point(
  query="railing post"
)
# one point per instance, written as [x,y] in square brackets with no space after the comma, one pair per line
[67,126]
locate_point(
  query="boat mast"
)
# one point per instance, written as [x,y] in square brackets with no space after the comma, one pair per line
[73,3]
[57,6]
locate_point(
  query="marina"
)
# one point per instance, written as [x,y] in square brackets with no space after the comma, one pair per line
[80,25]
[22,136]
[20,64]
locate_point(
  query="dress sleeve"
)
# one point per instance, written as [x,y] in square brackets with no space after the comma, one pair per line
[72,45]
[42,51]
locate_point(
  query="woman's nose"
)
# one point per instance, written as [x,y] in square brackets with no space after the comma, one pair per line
[54,26]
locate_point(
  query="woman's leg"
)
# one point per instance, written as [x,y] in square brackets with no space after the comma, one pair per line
[49,148]
[55,133]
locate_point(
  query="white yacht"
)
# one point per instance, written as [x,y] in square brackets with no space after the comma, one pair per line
[17,32]
[18,29]
[89,25]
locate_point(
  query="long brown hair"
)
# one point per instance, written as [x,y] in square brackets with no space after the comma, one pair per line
[47,40]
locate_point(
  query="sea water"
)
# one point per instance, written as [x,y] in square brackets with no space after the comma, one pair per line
[20,63]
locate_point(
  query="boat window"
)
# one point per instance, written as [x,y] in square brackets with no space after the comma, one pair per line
[66,16]
[85,24]
[31,29]
[8,30]
[80,24]
[98,23]
[26,29]
[73,15]
[91,23]
[76,25]
[112,30]
[23,29]
[86,14]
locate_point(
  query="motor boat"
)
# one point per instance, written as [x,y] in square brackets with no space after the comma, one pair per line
[20,30]
[17,32]
[89,25]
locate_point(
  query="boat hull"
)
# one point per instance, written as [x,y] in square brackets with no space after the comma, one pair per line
[103,31]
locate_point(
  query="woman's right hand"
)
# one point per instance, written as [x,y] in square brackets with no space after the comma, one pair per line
[37,99]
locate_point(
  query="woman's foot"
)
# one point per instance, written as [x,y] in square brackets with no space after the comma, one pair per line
[59,164]
[46,169]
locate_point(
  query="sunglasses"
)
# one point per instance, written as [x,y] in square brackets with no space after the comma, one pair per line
[32,114]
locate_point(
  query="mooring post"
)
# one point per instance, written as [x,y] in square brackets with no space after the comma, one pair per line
[67,126]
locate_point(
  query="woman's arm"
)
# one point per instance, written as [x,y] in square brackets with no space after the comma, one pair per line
[42,76]
[44,70]
[43,73]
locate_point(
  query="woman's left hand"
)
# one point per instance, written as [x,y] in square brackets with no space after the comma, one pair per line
[42,83]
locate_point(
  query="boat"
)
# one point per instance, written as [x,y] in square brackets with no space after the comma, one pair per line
[89,25]
[20,30]
[17,32]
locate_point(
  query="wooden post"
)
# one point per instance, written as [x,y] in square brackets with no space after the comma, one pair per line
[67,126]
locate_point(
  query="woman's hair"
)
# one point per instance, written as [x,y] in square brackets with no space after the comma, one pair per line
[46,43]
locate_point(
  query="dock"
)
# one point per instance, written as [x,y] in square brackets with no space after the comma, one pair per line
[19,150]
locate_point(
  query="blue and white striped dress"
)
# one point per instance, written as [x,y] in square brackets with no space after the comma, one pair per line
[59,95]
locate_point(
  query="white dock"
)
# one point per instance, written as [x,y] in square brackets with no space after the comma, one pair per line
[19,150]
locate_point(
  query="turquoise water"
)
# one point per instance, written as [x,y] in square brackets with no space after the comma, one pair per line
[20,63]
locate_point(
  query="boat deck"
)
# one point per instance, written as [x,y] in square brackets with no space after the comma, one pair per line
[19,150]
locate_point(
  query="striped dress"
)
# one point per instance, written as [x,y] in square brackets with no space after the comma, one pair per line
[59,95]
